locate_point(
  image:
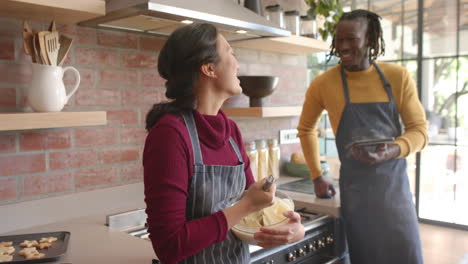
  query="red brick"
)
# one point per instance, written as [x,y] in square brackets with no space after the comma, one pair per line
[260,69]
[20,54]
[87,77]
[48,183]
[7,97]
[95,137]
[152,79]
[72,159]
[97,97]
[15,73]
[11,28]
[93,177]
[67,29]
[7,189]
[151,44]
[7,143]
[133,135]
[121,154]
[139,60]
[131,172]
[122,117]
[45,140]
[96,57]
[117,39]
[86,36]
[141,97]
[21,164]
[7,49]
[119,78]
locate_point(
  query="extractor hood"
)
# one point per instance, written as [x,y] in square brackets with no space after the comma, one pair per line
[161,17]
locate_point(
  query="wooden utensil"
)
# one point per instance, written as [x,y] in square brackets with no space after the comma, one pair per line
[65,44]
[26,27]
[52,26]
[28,45]
[52,47]
[42,47]
[37,53]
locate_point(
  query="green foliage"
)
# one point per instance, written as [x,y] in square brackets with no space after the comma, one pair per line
[330,9]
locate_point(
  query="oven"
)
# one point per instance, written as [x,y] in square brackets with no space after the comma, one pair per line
[322,243]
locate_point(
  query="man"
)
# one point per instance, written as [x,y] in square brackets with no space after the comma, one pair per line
[365,101]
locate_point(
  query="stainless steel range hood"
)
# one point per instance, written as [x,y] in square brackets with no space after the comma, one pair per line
[161,17]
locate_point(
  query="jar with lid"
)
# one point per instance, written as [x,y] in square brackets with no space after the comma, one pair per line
[252,153]
[262,150]
[291,21]
[308,27]
[274,13]
[273,157]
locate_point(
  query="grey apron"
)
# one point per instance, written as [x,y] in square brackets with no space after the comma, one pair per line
[213,188]
[376,204]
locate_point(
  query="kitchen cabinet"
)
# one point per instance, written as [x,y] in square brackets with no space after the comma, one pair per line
[63,12]
[276,111]
[294,45]
[24,121]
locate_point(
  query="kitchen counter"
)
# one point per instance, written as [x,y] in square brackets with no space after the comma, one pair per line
[328,206]
[92,242]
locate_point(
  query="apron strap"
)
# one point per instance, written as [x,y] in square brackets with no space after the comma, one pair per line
[236,149]
[345,85]
[386,84]
[192,129]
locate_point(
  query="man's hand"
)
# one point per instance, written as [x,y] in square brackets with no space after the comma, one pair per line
[323,189]
[383,152]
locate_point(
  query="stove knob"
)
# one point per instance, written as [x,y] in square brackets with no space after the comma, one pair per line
[311,247]
[329,240]
[321,244]
[291,257]
[301,252]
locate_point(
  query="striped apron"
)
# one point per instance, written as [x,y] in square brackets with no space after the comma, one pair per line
[213,188]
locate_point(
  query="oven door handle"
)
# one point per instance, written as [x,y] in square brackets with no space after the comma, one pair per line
[335,260]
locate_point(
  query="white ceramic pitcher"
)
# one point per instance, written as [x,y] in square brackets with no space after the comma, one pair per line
[47,92]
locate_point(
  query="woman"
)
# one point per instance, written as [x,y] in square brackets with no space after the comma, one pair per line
[194,161]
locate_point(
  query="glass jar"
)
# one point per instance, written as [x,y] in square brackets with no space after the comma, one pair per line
[308,27]
[262,150]
[252,153]
[273,158]
[291,21]
[274,13]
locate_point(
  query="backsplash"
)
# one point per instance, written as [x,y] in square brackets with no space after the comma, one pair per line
[118,75]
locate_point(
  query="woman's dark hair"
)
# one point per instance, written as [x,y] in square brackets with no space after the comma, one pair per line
[186,49]
[374,32]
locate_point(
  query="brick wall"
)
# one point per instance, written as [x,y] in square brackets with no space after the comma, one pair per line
[118,75]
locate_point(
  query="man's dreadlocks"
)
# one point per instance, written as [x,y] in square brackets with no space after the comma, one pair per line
[374,32]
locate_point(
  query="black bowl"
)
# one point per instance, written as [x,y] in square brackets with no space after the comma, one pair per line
[258,87]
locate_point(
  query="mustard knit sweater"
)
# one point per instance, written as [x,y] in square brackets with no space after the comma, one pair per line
[326,93]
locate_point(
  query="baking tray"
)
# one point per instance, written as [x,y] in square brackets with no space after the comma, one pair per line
[53,253]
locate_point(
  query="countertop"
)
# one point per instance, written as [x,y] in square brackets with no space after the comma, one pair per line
[92,242]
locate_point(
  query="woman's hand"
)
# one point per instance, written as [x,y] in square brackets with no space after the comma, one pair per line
[256,198]
[275,236]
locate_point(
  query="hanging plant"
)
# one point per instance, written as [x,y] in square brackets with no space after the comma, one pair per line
[331,10]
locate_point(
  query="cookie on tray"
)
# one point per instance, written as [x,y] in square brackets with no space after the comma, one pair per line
[6,244]
[29,243]
[28,251]
[47,239]
[6,258]
[44,245]
[7,250]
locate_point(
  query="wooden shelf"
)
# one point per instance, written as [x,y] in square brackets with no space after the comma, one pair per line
[63,12]
[24,121]
[295,45]
[278,111]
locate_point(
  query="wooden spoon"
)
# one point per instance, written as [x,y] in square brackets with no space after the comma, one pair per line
[42,47]
[65,44]
[52,45]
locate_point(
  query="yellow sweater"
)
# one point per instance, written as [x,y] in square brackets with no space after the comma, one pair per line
[326,93]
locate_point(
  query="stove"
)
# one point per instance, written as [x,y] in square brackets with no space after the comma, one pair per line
[322,242]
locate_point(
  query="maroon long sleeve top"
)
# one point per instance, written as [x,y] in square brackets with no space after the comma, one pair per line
[168,169]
